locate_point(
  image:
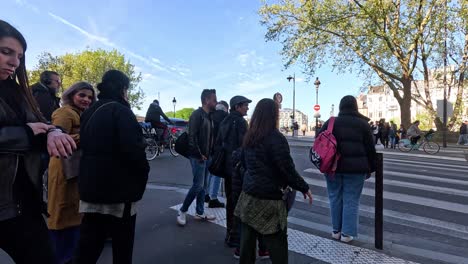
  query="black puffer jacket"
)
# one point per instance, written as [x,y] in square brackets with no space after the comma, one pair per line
[355,141]
[217,117]
[113,167]
[269,167]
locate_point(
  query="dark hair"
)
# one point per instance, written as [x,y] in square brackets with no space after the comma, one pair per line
[417,121]
[113,85]
[46,77]
[20,77]
[156,101]
[67,96]
[224,103]
[348,103]
[206,93]
[264,121]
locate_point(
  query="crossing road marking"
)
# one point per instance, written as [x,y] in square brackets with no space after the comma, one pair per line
[314,246]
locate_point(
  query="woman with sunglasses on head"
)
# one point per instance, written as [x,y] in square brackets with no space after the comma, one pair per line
[23,135]
[64,200]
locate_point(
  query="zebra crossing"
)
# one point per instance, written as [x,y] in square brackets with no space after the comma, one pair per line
[425,208]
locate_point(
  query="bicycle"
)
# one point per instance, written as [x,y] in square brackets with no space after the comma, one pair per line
[430,147]
[154,146]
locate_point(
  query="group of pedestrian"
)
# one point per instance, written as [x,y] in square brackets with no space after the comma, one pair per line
[387,133]
[92,150]
[255,209]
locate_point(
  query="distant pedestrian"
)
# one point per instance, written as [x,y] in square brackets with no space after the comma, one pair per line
[402,131]
[45,93]
[463,139]
[392,134]
[357,162]
[24,135]
[386,134]
[212,190]
[231,134]
[113,172]
[376,132]
[269,170]
[201,141]
[383,128]
[63,197]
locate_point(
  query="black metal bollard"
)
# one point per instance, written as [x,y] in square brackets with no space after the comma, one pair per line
[379,202]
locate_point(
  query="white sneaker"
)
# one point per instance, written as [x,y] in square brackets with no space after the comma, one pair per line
[346,239]
[336,235]
[206,217]
[182,218]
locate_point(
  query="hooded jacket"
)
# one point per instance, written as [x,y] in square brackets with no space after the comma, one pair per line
[354,139]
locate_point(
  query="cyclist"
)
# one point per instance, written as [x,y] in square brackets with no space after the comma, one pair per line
[414,133]
[153,116]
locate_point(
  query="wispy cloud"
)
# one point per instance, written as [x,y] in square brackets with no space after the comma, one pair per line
[155,63]
[27,5]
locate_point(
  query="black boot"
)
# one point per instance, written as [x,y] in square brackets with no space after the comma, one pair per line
[215,204]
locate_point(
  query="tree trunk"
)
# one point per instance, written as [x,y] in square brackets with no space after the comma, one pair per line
[405,102]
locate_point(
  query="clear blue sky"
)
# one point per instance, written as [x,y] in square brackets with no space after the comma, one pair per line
[180,47]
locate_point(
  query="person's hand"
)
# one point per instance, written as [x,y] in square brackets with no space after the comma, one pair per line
[60,144]
[39,128]
[308,194]
[203,158]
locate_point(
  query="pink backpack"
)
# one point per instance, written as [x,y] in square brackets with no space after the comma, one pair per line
[324,154]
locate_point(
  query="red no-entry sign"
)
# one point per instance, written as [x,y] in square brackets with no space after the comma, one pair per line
[316,107]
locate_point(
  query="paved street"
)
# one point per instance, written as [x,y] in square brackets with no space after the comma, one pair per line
[425,216]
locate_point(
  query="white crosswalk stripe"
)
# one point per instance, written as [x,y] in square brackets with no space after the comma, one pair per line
[438,186]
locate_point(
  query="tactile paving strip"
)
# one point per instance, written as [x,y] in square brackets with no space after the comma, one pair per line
[316,247]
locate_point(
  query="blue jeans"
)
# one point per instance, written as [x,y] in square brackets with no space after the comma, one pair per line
[215,183]
[200,182]
[344,192]
[392,141]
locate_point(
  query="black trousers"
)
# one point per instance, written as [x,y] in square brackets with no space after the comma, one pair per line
[415,139]
[25,238]
[276,244]
[229,206]
[94,231]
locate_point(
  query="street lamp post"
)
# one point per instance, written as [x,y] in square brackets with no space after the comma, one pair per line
[317,85]
[293,78]
[332,112]
[174,101]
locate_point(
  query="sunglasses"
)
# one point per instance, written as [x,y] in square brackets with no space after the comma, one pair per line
[83,95]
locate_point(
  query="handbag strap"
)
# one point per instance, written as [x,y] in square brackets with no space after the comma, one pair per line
[92,115]
[331,124]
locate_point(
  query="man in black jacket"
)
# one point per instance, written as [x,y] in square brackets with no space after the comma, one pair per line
[45,93]
[231,134]
[200,133]
[215,181]
[153,116]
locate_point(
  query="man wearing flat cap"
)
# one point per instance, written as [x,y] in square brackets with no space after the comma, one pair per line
[230,136]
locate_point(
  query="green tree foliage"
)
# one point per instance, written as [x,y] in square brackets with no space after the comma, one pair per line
[89,65]
[383,39]
[426,121]
[183,113]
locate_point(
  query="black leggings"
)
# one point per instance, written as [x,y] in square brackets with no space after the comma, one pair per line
[25,238]
[414,140]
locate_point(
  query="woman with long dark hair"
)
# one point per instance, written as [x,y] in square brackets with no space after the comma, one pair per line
[23,136]
[63,197]
[269,171]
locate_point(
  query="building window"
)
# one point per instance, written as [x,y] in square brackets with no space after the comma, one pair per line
[380,114]
[380,99]
[370,115]
[370,100]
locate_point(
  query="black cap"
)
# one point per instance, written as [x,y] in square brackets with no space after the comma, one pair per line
[238,99]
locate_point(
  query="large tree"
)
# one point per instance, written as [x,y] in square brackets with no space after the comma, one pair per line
[378,38]
[90,65]
[183,113]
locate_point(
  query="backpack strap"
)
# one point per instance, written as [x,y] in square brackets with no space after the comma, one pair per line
[331,124]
